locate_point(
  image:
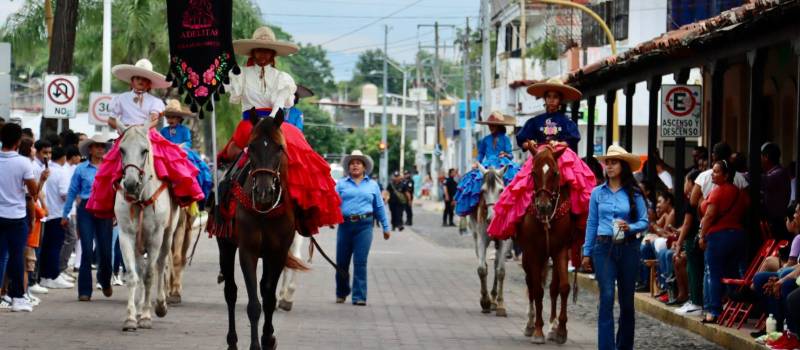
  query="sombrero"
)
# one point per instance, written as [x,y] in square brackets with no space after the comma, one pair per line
[174,109]
[303,92]
[263,38]
[143,68]
[83,147]
[568,93]
[619,153]
[498,118]
[357,154]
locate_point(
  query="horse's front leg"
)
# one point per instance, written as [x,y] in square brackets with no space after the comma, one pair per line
[126,245]
[563,289]
[164,249]
[248,260]
[554,283]
[227,263]
[538,295]
[481,243]
[269,283]
[150,273]
[500,275]
[289,284]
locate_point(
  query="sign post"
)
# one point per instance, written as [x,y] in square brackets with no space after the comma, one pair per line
[681,107]
[60,96]
[99,108]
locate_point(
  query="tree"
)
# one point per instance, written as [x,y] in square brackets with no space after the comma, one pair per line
[369,69]
[324,136]
[62,48]
[311,68]
[368,140]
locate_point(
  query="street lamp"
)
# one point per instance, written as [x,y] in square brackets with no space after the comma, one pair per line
[403,114]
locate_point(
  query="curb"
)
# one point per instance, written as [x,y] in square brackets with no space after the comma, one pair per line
[728,338]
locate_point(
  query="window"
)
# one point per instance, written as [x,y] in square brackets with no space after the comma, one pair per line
[614,13]
[682,12]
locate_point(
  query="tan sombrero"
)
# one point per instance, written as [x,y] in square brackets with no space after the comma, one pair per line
[568,93]
[175,109]
[619,153]
[143,68]
[357,154]
[83,147]
[498,118]
[263,38]
[303,92]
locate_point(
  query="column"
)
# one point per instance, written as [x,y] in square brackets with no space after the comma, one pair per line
[755,132]
[629,91]
[681,77]
[653,86]
[610,97]
[592,100]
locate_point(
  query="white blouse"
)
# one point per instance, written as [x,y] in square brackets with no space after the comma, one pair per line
[135,111]
[261,87]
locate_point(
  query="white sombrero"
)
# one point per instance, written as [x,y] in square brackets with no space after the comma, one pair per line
[619,153]
[358,155]
[143,68]
[263,38]
[175,109]
[83,147]
[568,93]
[498,118]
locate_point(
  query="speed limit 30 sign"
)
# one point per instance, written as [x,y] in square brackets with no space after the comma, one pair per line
[681,108]
[100,108]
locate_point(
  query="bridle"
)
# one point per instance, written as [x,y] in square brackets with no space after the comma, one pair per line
[138,202]
[250,202]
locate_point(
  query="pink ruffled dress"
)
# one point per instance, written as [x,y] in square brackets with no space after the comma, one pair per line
[518,195]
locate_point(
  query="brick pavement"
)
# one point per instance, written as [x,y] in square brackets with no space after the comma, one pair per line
[421,296]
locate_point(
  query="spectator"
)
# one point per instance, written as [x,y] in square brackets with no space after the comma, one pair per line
[704,183]
[450,187]
[689,257]
[43,153]
[93,230]
[27,132]
[722,235]
[417,179]
[361,202]
[427,186]
[699,159]
[408,186]
[17,177]
[53,240]
[655,244]
[793,175]
[617,214]
[397,200]
[70,233]
[775,192]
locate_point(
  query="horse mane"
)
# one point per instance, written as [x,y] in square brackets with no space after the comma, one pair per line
[266,127]
[490,179]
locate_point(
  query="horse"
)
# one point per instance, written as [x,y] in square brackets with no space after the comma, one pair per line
[479,219]
[147,218]
[264,226]
[289,279]
[178,257]
[544,233]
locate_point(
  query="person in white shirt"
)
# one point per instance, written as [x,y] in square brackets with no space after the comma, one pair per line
[703,184]
[56,187]
[17,177]
[70,233]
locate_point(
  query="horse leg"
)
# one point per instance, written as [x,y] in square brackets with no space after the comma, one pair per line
[227,262]
[500,275]
[554,283]
[563,289]
[493,293]
[481,243]
[290,276]
[269,282]
[180,246]
[538,295]
[164,246]
[129,257]
[249,262]
[146,319]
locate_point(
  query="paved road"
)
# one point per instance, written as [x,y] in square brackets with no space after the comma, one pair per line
[423,294]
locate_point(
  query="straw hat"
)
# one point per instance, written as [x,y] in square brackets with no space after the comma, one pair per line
[83,147]
[357,155]
[619,153]
[263,38]
[498,118]
[303,92]
[568,93]
[174,109]
[143,68]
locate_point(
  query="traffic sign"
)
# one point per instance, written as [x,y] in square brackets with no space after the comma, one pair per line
[100,108]
[60,96]
[681,108]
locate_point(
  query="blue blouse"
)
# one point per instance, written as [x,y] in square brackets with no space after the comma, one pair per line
[605,206]
[550,126]
[178,135]
[487,148]
[295,118]
[362,198]
[80,185]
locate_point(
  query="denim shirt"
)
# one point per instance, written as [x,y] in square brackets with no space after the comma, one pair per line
[80,185]
[362,198]
[178,135]
[605,206]
[487,149]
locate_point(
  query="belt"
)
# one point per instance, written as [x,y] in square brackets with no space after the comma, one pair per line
[357,218]
[608,239]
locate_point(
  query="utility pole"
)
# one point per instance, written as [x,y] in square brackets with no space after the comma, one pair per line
[486,59]
[384,173]
[523,37]
[468,102]
[420,123]
[403,122]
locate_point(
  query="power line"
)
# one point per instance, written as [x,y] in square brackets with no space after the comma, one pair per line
[357,17]
[372,22]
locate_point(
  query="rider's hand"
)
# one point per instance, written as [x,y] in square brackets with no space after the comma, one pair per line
[586,264]
[64,223]
[386,235]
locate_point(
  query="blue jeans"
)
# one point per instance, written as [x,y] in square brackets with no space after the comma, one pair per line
[116,258]
[723,255]
[616,263]
[98,231]
[647,252]
[666,268]
[353,240]
[51,249]
[13,238]
[774,306]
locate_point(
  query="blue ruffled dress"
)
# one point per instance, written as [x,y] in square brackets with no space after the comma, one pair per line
[180,134]
[489,148]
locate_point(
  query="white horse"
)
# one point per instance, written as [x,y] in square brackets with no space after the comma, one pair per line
[289,283]
[479,220]
[147,217]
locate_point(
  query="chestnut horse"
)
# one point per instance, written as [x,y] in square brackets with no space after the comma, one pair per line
[544,233]
[264,228]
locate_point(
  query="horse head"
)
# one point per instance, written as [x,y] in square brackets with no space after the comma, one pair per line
[137,161]
[266,152]
[491,187]
[546,179]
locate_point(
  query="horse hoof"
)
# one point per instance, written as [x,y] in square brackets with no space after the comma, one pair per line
[145,323]
[233,347]
[551,336]
[501,312]
[528,331]
[173,299]
[220,278]
[538,339]
[285,305]
[161,309]
[486,306]
[493,306]
[129,326]
[560,338]
[272,344]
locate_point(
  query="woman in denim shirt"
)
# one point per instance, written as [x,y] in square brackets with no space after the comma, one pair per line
[616,205]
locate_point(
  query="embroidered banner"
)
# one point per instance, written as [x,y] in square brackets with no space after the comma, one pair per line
[201,49]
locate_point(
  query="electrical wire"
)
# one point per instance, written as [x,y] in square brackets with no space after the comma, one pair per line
[371,23]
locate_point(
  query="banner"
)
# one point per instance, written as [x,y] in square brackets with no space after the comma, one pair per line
[201,50]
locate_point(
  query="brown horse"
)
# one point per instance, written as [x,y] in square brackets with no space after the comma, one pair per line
[264,228]
[544,233]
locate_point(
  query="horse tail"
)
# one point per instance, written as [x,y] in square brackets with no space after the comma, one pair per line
[296,264]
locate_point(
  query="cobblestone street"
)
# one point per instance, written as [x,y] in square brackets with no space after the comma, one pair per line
[423,294]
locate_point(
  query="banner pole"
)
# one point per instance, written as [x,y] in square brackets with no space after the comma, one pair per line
[214,151]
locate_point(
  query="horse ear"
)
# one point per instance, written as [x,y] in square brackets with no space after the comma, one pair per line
[503,170]
[279,118]
[558,151]
[482,169]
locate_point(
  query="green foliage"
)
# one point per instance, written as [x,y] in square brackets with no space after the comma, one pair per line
[368,140]
[320,131]
[544,49]
[369,69]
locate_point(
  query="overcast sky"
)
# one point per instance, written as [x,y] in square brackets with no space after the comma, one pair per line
[327,22]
